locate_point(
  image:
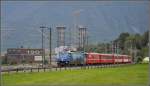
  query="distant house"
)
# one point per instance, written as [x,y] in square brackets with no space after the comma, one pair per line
[146,60]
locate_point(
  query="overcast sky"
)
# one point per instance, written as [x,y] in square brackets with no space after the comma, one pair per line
[104,20]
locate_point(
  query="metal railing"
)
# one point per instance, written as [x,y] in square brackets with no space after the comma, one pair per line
[44,69]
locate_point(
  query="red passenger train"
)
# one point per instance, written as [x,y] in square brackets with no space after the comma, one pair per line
[98,58]
[81,58]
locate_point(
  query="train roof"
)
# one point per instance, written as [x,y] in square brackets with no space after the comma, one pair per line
[107,54]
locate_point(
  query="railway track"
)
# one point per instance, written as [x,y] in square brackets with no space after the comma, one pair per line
[44,69]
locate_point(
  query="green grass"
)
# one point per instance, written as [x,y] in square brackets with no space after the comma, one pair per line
[128,75]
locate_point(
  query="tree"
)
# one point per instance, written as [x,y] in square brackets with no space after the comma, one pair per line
[145,38]
[121,39]
[138,41]
[127,44]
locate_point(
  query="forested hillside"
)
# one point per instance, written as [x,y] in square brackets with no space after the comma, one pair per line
[135,45]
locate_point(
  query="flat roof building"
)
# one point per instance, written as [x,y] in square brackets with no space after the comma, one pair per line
[23,55]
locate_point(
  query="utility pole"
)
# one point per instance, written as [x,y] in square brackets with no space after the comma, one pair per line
[43,46]
[43,51]
[118,47]
[105,48]
[131,50]
[87,39]
[84,44]
[0,61]
[50,43]
[149,55]
[112,47]
[135,52]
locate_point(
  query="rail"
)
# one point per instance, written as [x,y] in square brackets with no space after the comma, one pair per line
[44,69]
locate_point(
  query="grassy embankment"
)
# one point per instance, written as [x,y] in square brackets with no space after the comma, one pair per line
[128,75]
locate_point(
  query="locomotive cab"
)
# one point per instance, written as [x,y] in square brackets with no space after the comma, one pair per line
[63,58]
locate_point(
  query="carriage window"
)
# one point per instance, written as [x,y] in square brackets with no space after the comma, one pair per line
[90,56]
[117,56]
[106,57]
[95,56]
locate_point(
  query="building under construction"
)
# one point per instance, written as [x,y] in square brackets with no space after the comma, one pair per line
[60,36]
[82,38]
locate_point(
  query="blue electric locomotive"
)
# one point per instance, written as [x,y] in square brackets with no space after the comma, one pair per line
[63,58]
[71,58]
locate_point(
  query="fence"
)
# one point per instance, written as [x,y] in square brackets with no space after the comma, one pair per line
[44,69]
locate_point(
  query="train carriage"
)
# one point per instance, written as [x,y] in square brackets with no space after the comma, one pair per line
[118,58]
[107,58]
[92,58]
[97,58]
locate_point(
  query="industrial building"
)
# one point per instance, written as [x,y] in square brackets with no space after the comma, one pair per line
[23,55]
